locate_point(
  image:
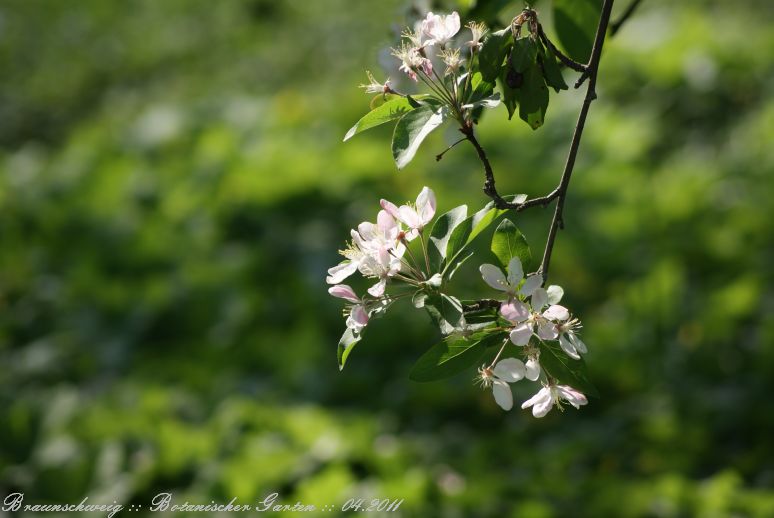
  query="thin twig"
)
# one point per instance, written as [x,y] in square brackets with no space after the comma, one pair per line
[593,66]
[616,25]
[568,62]
[489,183]
[439,156]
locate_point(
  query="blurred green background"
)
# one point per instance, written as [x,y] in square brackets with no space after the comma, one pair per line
[173,187]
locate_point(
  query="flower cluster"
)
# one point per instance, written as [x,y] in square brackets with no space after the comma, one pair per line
[378,251]
[432,40]
[533,314]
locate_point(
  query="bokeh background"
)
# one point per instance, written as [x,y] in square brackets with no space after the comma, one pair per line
[173,187]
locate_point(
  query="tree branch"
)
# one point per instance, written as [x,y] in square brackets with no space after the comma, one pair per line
[489,183]
[593,68]
[616,25]
[568,62]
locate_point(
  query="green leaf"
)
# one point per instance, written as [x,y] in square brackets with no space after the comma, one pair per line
[489,214]
[446,311]
[458,239]
[468,230]
[389,111]
[533,97]
[576,23]
[346,344]
[524,54]
[509,242]
[493,53]
[480,88]
[452,355]
[454,264]
[380,99]
[441,234]
[412,129]
[551,71]
[567,371]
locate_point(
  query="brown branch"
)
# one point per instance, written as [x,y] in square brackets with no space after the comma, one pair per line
[593,67]
[616,25]
[489,183]
[568,62]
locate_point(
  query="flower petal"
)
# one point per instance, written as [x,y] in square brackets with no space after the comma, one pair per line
[568,347]
[539,299]
[555,294]
[426,205]
[532,369]
[515,271]
[340,272]
[575,398]
[357,319]
[557,313]
[493,276]
[502,394]
[368,231]
[521,334]
[345,292]
[542,407]
[377,290]
[532,283]
[515,311]
[510,370]
[577,342]
[390,207]
[542,395]
[547,331]
[409,216]
[386,224]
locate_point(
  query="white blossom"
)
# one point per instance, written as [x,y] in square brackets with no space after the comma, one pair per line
[509,283]
[357,314]
[440,29]
[508,370]
[375,87]
[551,395]
[415,217]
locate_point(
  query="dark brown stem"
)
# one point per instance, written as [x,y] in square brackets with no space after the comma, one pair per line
[616,25]
[568,62]
[489,183]
[593,67]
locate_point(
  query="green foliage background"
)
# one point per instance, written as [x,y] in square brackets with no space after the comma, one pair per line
[173,186]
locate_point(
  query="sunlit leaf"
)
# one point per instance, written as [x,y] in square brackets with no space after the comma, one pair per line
[393,109]
[347,342]
[412,129]
[453,355]
[441,234]
[509,242]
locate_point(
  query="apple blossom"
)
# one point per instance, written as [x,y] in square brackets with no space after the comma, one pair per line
[373,251]
[412,61]
[452,60]
[477,31]
[551,395]
[375,87]
[508,370]
[440,29]
[495,278]
[358,315]
[414,218]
